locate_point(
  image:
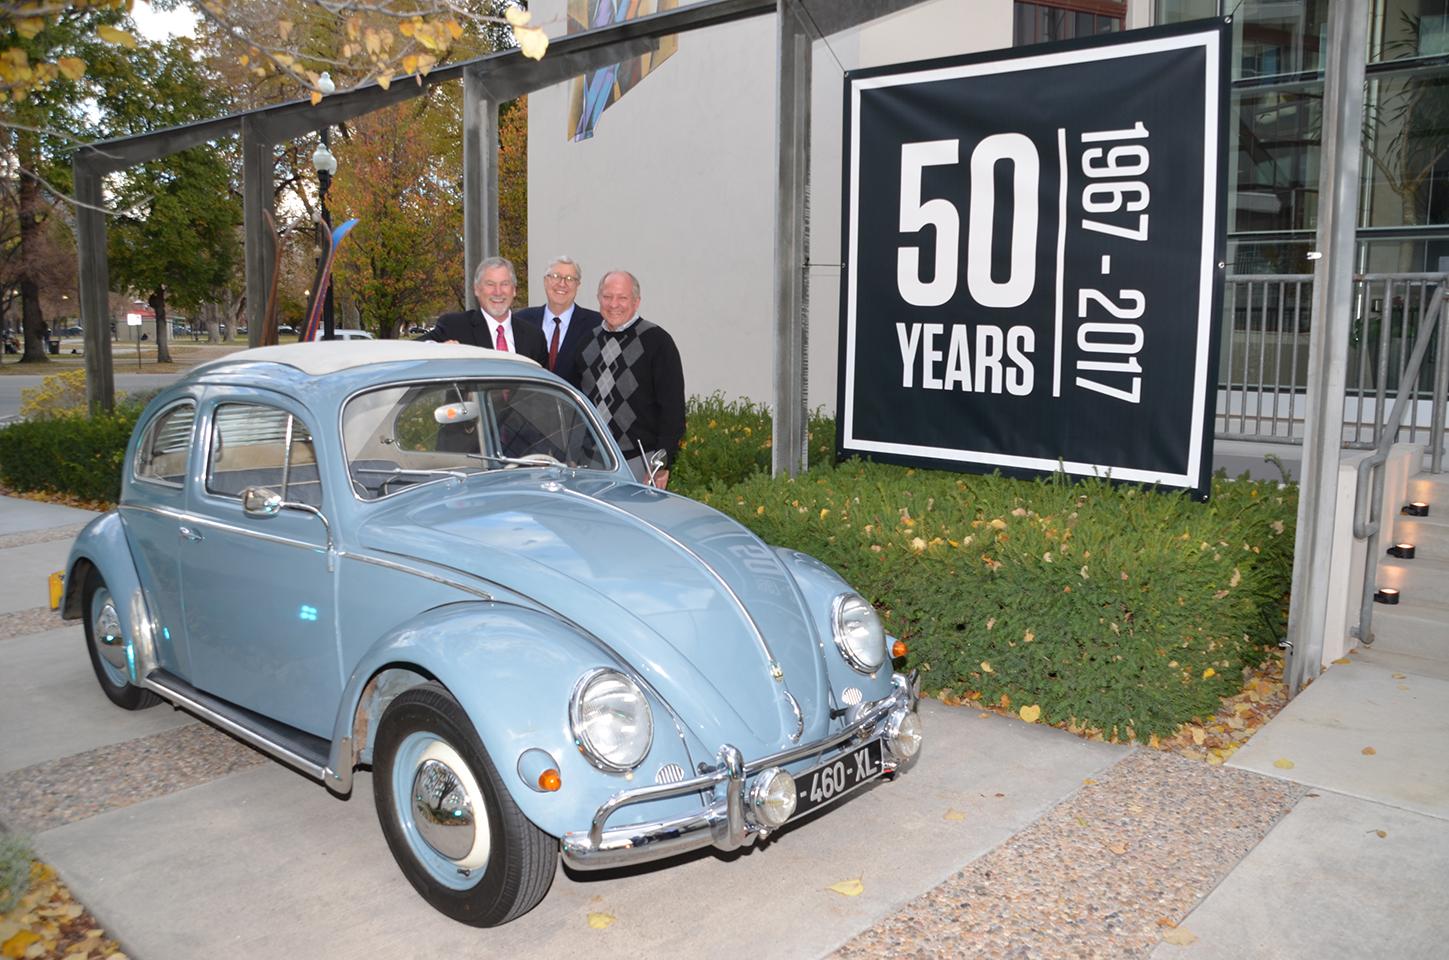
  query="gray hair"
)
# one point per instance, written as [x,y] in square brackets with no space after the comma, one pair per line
[571,262]
[489,264]
[633,280]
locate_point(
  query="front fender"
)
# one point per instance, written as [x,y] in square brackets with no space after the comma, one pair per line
[102,545]
[513,670]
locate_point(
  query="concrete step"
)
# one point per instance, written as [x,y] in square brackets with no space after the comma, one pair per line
[1421,580]
[1430,487]
[1414,631]
[1429,535]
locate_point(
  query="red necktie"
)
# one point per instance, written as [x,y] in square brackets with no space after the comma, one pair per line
[502,340]
[553,344]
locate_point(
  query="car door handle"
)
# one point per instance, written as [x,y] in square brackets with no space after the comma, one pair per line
[188,534]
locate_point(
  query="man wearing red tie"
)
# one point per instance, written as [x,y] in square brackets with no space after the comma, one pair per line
[494,284]
[566,326]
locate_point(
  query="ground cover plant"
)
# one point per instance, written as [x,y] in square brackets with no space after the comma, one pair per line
[1097,607]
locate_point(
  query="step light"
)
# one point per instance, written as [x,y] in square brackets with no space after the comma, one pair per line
[1386,595]
[1404,551]
[1416,509]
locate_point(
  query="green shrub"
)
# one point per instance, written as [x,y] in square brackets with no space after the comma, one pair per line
[1111,607]
[726,441]
[72,454]
[15,857]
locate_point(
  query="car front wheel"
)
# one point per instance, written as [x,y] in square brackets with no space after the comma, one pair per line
[107,647]
[451,824]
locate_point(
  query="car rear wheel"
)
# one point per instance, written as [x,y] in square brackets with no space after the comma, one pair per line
[451,824]
[106,644]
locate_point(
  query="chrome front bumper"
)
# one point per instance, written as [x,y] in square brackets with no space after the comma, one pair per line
[722,823]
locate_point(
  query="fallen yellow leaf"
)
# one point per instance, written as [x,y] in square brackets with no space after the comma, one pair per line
[1118,848]
[1368,751]
[848,888]
[1283,763]
[1400,676]
[16,946]
[601,921]
[316,97]
[1030,714]
[1381,834]
[1198,735]
[954,815]
[1179,937]
[1343,660]
[1209,673]
[986,667]
[1088,782]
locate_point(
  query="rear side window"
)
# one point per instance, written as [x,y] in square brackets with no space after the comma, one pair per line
[254,445]
[161,457]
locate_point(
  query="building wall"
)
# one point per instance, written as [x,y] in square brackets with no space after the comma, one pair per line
[678,184]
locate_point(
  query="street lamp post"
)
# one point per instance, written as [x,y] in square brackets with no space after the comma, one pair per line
[326,165]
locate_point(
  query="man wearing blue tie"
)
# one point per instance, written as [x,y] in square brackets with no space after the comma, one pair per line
[566,326]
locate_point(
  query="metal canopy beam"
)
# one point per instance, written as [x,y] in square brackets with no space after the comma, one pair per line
[1338,190]
[824,17]
[258,168]
[94,287]
[480,178]
[792,238]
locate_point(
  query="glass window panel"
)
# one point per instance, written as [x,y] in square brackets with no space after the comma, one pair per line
[1275,167]
[1177,11]
[164,450]
[1279,37]
[1408,28]
[1407,151]
[249,449]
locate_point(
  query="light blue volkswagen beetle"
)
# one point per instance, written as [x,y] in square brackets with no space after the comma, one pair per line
[432,559]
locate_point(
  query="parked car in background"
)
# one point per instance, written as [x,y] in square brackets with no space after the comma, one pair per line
[433,560]
[70,331]
[345,335]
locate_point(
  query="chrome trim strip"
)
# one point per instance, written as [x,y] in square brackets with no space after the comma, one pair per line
[227,527]
[404,568]
[663,534]
[642,842]
[237,729]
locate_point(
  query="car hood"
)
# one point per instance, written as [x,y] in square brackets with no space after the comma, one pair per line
[694,602]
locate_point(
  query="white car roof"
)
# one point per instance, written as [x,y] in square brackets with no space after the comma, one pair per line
[329,356]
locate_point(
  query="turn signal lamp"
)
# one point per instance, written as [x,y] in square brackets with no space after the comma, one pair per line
[549,780]
[899,649]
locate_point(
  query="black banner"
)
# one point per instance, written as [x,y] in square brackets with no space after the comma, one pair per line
[1032,241]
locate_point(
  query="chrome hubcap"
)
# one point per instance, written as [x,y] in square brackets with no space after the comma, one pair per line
[442,811]
[110,643]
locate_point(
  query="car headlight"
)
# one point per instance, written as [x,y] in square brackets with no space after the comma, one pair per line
[611,721]
[858,632]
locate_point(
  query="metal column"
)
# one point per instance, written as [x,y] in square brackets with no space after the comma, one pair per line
[792,239]
[94,287]
[257,202]
[1328,339]
[480,177]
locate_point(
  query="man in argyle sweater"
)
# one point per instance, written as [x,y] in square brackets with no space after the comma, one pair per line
[631,370]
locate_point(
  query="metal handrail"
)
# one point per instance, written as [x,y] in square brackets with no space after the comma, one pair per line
[1367,516]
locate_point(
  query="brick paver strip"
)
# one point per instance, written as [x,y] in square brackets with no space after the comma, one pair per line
[1099,876]
[57,792]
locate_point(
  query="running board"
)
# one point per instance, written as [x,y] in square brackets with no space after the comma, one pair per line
[296,748]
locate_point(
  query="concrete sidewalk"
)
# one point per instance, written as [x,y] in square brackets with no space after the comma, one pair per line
[184,843]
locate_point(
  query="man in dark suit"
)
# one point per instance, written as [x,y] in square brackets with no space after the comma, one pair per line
[494,284]
[566,326]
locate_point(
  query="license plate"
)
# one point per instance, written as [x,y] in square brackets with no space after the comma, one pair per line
[832,780]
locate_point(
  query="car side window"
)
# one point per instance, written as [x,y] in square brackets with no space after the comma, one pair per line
[255,445]
[161,457]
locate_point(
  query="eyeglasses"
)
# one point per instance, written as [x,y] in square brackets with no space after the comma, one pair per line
[560,278]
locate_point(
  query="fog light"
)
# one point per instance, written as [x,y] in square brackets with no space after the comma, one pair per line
[772,798]
[1386,595]
[903,735]
[1404,551]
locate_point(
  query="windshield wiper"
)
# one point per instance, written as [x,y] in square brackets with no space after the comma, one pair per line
[532,460]
[459,472]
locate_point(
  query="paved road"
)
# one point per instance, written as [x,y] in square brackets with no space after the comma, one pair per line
[10,387]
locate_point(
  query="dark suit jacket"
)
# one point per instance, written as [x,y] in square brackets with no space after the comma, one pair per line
[581,328]
[471,327]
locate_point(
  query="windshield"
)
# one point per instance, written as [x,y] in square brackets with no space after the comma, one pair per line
[405,434]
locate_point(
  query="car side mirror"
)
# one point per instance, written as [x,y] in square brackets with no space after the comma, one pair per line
[261,502]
